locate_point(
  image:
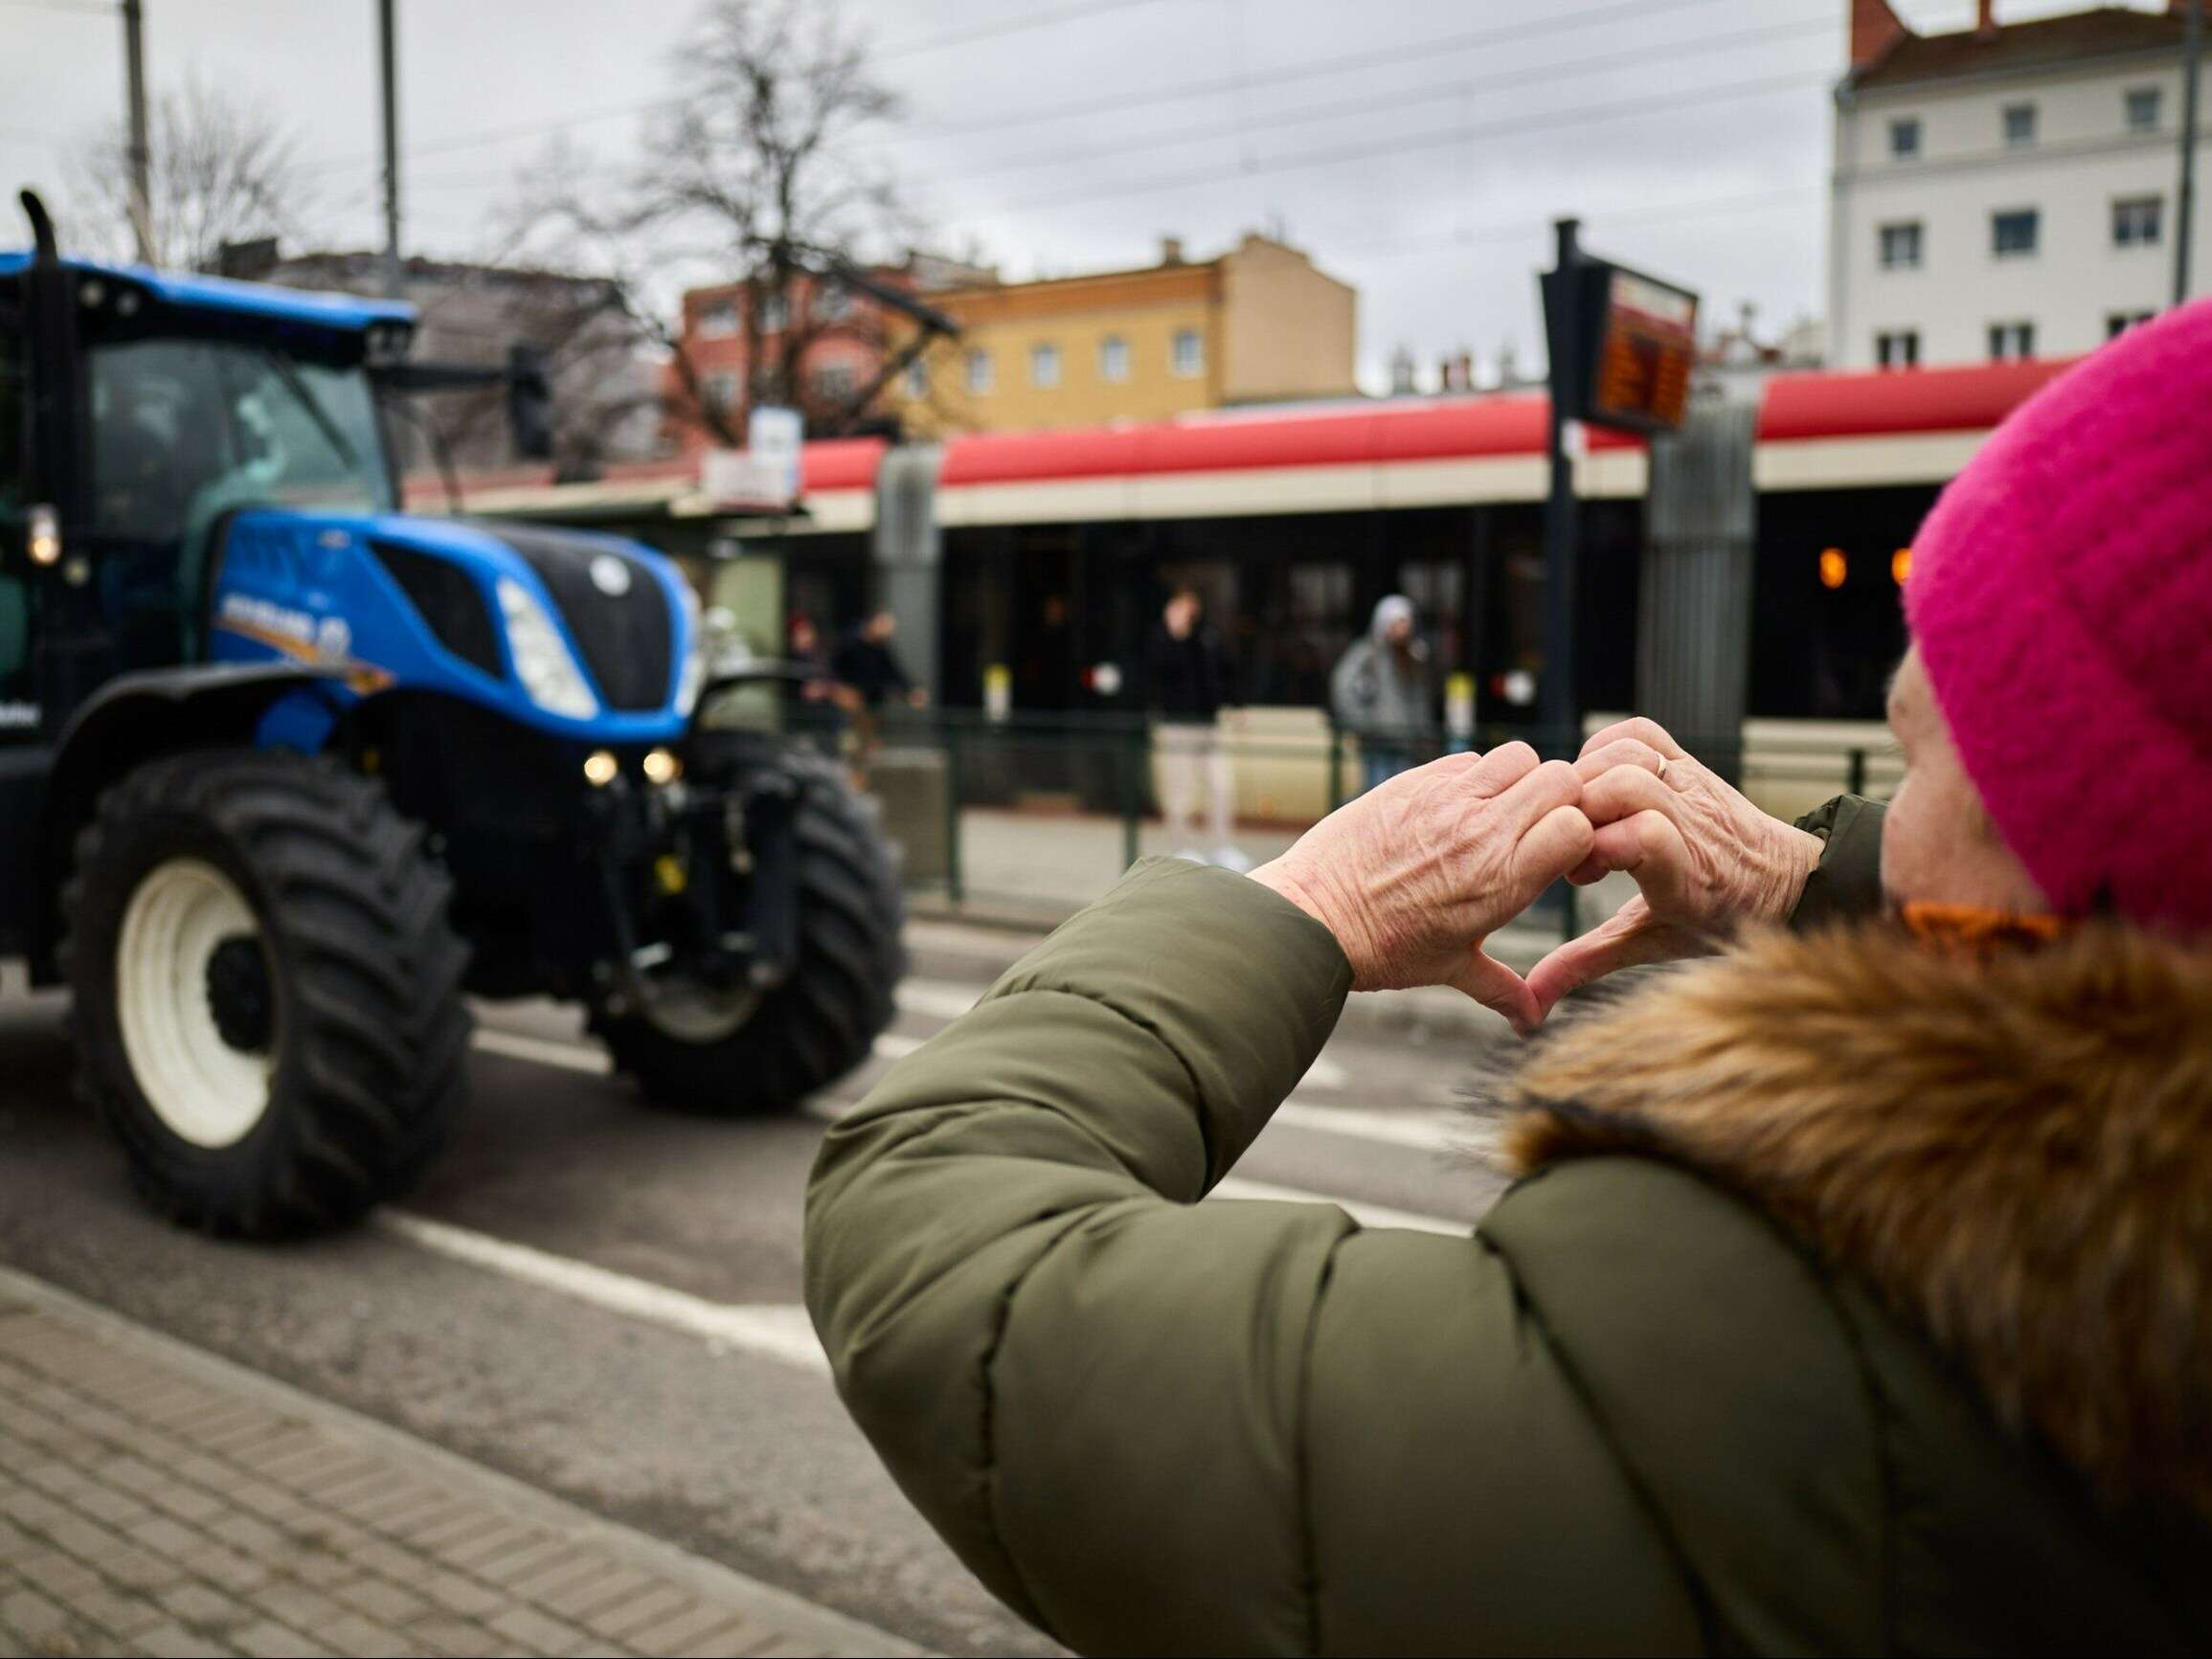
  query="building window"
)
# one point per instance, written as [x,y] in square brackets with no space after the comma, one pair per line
[917,379]
[1901,246]
[2137,221]
[1897,348]
[1904,138]
[832,303]
[718,321]
[2118,322]
[720,391]
[1188,356]
[2143,110]
[1114,359]
[2020,125]
[833,381]
[2014,235]
[979,376]
[2011,342]
[1045,367]
[775,314]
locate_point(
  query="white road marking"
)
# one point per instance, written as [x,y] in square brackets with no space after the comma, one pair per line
[1426,1133]
[775,1330]
[937,999]
[1324,1073]
[514,1045]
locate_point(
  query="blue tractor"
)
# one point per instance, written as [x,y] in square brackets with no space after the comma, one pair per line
[286,776]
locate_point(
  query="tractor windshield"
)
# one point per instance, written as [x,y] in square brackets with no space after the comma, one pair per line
[186,429]
[183,430]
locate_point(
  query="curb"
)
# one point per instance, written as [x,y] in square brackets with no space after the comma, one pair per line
[806,1624]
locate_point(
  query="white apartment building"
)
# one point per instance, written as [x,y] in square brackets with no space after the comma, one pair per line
[2007,190]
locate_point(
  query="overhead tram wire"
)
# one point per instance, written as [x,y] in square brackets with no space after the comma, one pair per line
[1012,26]
[614,112]
[1428,92]
[1311,69]
[1379,149]
[1398,98]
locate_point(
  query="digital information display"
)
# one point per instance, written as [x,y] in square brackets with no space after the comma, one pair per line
[1647,348]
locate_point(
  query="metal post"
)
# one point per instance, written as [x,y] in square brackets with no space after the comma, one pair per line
[1561,518]
[2185,213]
[141,155]
[952,881]
[387,31]
[1132,767]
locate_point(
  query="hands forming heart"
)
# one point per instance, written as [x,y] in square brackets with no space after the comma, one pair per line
[1414,876]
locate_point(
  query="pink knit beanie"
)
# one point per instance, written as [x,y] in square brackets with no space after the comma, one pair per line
[2061,594]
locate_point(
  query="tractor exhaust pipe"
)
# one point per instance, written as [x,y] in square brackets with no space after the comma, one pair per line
[48,249]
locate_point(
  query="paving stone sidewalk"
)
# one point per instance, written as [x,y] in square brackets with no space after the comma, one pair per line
[154,1499]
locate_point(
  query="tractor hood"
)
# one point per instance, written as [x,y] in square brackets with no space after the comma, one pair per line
[589,637]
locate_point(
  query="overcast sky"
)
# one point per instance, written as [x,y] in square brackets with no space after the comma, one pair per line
[1418,148]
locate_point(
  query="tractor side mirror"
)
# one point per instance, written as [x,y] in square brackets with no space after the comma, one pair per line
[530,411]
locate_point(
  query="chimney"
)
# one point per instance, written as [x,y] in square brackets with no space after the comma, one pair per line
[1172,250]
[1401,373]
[1874,30]
[1985,22]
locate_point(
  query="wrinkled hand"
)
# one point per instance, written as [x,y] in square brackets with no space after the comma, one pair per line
[1415,874]
[1706,859]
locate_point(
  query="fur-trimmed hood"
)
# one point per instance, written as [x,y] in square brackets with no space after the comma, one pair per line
[2013,1149]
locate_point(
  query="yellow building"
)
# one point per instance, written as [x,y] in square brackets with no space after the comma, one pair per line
[1256,324]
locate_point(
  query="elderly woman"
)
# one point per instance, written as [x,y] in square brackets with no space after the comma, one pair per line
[1859,1294]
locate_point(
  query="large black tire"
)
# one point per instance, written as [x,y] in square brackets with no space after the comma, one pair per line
[354,1012]
[822,1020]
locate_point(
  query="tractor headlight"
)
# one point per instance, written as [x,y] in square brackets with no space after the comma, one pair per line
[542,660]
[693,676]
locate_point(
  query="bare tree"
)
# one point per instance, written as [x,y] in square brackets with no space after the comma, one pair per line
[759,174]
[224,170]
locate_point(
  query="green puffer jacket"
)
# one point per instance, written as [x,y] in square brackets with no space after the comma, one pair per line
[1770,1352]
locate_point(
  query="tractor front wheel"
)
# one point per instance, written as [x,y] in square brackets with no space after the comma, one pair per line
[267,1001]
[747,1052]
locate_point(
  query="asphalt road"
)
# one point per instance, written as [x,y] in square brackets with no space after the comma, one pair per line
[601,1299]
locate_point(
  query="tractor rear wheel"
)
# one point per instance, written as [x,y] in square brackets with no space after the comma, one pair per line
[267,1001]
[752,1053]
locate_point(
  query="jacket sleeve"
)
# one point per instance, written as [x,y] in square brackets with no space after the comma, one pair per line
[1155,1425]
[1847,884]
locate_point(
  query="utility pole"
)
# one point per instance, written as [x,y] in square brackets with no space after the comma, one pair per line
[387,29]
[2185,215]
[1561,513]
[141,158]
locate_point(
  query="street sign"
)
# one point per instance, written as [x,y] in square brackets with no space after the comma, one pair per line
[740,480]
[775,436]
[1645,354]
[1623,344]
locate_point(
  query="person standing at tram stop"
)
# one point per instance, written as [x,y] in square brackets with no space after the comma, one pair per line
[1379,690]
[1188,686]
[1858,1292]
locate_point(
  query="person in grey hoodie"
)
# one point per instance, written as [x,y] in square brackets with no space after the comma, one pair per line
[1379,690]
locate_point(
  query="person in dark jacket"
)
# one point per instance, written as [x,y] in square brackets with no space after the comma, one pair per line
[1857,1296]
[1188,688]
[865,663]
